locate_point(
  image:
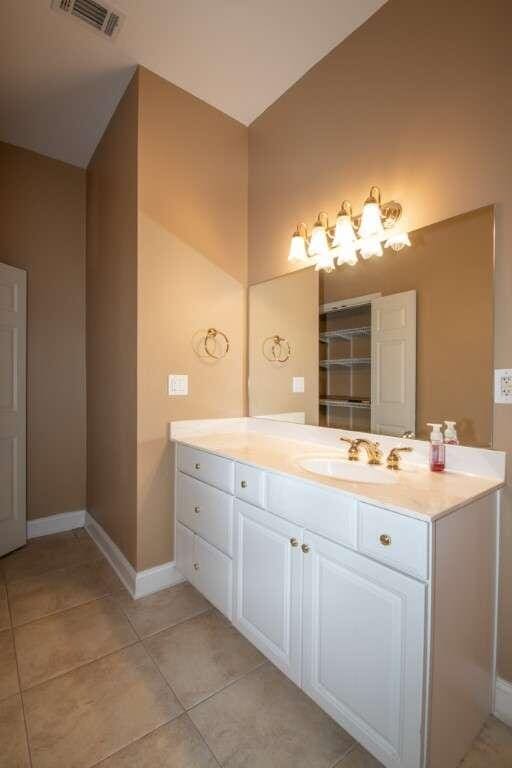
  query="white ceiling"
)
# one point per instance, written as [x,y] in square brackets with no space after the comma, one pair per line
[60,82]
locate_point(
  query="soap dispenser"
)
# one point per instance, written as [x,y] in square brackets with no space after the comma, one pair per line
[437,449]
[450,433]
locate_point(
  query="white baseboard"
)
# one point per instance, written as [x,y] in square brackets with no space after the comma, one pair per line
[64,521]
[503,701]
[138,583]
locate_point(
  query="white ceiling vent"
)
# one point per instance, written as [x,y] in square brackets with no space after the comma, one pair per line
[101,18]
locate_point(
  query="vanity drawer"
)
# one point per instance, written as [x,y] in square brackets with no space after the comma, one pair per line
[207,467]
[214,576]
[206,510]
[332,514]
[250,484]
[394,539]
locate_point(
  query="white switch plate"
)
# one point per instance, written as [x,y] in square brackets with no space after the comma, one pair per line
[177,384]
[298,384]
[503,385]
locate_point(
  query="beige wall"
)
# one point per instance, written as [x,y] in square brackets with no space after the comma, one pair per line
[43,231]
[287,306]
[192,263]
[450,265]
[112,327]
[416,100]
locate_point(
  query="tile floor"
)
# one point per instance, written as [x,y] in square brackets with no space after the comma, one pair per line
[88,677]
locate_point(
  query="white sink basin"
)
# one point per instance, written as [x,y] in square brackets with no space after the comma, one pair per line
[354,472]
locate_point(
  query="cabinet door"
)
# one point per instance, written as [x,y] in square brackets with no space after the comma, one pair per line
[363,649]
[185,552]
[214,575]
[268,585]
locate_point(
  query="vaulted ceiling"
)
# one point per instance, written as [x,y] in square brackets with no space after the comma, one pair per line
[60,81]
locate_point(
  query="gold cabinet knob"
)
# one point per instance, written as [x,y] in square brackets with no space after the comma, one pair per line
[305,548]
[196,566]
[198,466]
[294,542]
[197,510]
[385,540]
[244,483]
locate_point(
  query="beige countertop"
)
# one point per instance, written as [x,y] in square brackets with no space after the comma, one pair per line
[417,492]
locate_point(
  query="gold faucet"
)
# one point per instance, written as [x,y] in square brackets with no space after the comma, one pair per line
[372,449]
[393,460]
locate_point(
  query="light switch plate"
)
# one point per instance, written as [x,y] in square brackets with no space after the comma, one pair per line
[177,384]
[298,384]
[503,385]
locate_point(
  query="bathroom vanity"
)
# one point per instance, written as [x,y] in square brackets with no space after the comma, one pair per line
[373,589]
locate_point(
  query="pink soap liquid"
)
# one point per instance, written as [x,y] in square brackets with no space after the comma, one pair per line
[437,457]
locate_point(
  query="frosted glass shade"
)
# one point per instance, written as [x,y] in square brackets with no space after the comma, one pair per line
[344,234]
[318,245]
[298,252]
[369,247]
[398,241]
[345,254]
[325,261]
[371,223]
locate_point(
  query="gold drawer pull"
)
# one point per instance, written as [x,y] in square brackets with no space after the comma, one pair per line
[294,542]
[196,566]
[385,540]
[305,548]
[244,483]
[198,466]
[197,510]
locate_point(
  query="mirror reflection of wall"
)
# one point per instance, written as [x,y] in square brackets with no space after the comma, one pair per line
[401,340]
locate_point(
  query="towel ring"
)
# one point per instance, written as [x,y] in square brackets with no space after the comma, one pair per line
[211,336]
[279,351]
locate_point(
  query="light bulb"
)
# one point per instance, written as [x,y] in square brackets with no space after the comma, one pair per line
[318,245]
[325,261]
[298,252]
[398,241]
[344,232]
[370,246]
[371,221]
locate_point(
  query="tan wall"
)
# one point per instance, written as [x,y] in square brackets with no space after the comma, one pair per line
[415,101]
[450,265]
[192,264]
[42,230]
[112,327]
[287,306]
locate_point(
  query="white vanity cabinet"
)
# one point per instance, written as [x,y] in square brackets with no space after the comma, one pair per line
[354,602]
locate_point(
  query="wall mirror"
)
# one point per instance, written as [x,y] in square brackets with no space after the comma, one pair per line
[386,345]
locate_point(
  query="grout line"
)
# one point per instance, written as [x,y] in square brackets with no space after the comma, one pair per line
[29,750]
[351,748]
[164,629]
[232,682]
[203,739]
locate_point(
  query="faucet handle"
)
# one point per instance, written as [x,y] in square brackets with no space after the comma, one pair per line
[393,460]
[353,451]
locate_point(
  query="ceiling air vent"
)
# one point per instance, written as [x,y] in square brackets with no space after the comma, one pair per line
[99,17]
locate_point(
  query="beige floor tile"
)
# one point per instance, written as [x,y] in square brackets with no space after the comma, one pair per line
[61,550]
[110,577]
[164,609]
[81,533]
[64,641]
[8,669]
[13,740]
[359,758]
[82,717]
[492,749]
[54,591]
[264,720]
[175,745]
[202,655]
[5,619]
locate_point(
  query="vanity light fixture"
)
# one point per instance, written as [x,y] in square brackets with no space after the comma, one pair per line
[365,233]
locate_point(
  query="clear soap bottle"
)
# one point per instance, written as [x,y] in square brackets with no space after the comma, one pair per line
[437,448]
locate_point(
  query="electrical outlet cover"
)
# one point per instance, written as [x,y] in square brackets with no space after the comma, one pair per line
[298,384]
[177,384]
[503,385]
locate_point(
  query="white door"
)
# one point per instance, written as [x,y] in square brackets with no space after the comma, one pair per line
[185,553]
[363,645]
[393,409]
[13,470]
[268,585]
[213,575]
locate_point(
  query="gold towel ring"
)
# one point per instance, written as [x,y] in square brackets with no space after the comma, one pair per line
[211,336]
[280,350]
